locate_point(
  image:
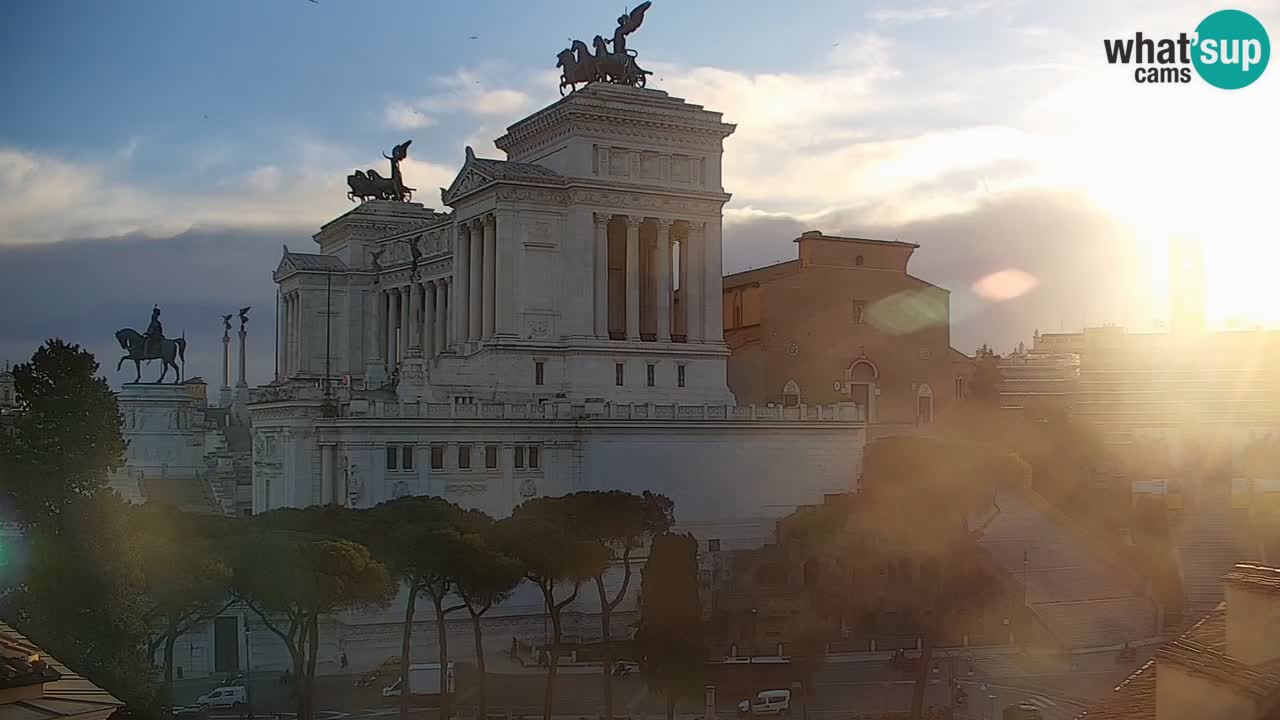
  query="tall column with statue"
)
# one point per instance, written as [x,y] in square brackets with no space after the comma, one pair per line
[241,401]
[224,389]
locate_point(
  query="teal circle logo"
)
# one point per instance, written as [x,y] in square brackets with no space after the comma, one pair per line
[1232,49]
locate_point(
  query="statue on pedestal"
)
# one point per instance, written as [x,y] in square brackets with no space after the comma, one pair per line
[151,346]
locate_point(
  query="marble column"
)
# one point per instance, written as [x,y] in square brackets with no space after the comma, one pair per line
[695,296]
[475,283]
[490,298]
[633,276]
[462,285]
[282,338]
[240,381]
[429,344]
[662,279]
[373,325]
[327,474]
[713,283]
[443,326]
[295,340]
[402,342]
[413,328]
[224,391]
[682,318]
[390,317]
[601,292]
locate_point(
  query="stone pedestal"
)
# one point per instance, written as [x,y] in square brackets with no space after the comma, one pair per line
[413,379]
[164,426]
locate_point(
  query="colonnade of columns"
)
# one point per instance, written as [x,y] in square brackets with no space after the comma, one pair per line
[291,340]
[410,320]
[476,266]
[651,277]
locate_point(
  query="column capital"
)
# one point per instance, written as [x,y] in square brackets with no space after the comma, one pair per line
[696,228]
[489,219]
[476,224]
[663,223]
[601,219]
[633,221]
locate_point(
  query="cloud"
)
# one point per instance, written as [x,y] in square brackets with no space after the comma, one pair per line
[44,198]
[466,91]
[405,117]
[920,13]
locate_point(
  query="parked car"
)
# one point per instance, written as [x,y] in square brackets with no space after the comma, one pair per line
[1022,711]
[235,697]
[188,712]
[767,702]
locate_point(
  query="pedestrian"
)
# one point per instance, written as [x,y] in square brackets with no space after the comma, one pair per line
[343,660]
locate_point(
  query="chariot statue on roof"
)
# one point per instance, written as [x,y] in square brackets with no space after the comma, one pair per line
[618,66]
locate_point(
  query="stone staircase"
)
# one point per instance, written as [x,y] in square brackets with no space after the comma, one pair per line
[1207,547]
[1078,594]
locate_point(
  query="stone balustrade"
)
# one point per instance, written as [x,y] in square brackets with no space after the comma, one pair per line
[840,412]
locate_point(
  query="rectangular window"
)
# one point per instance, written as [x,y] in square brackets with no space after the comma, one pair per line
[537,373]
[406,457]
[437,457]
[519,457]
[859,311]
[393,455]
[617,374]
[534,451]
[959,388]
[464,457]
[648,375]
[713,545]
[679,376]
[491,457]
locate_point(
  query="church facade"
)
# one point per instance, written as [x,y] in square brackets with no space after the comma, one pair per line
[560,328]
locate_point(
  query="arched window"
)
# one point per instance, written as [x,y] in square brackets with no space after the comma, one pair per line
[791,394]
[924,404]
[858,261]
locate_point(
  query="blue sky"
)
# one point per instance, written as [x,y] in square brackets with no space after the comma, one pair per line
[192,139]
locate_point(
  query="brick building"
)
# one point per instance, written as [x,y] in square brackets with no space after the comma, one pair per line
[845,321]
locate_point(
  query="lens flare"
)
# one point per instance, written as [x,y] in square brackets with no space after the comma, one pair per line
[1005,285]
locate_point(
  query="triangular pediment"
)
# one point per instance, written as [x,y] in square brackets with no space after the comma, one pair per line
[286,264]
[469,178]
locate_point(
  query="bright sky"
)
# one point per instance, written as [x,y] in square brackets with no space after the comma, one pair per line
[158,117]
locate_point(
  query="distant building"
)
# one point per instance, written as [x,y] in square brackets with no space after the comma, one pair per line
[843,322]
[8,394]
[1226,667]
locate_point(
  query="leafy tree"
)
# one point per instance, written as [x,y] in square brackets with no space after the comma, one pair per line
[79,594]
[490,573]
[185,578]
[66,440]
[423,541]
[909,533]
[670,637]
[553,555]
[290,577]
[621,523]
[82,598]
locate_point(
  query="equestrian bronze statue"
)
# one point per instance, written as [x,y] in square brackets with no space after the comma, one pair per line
[152,346]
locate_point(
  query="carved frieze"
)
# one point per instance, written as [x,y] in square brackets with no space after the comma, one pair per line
[465,488]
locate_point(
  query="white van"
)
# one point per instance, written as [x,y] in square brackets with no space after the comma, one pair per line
[767,702]
[424,679]
[233,697]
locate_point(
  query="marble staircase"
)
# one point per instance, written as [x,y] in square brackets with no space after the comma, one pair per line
[1081,596]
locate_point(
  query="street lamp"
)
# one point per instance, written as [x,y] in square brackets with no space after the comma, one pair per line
[248,668]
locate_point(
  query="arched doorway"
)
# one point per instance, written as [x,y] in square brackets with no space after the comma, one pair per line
[924,404]
[791,394]
[862,379]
